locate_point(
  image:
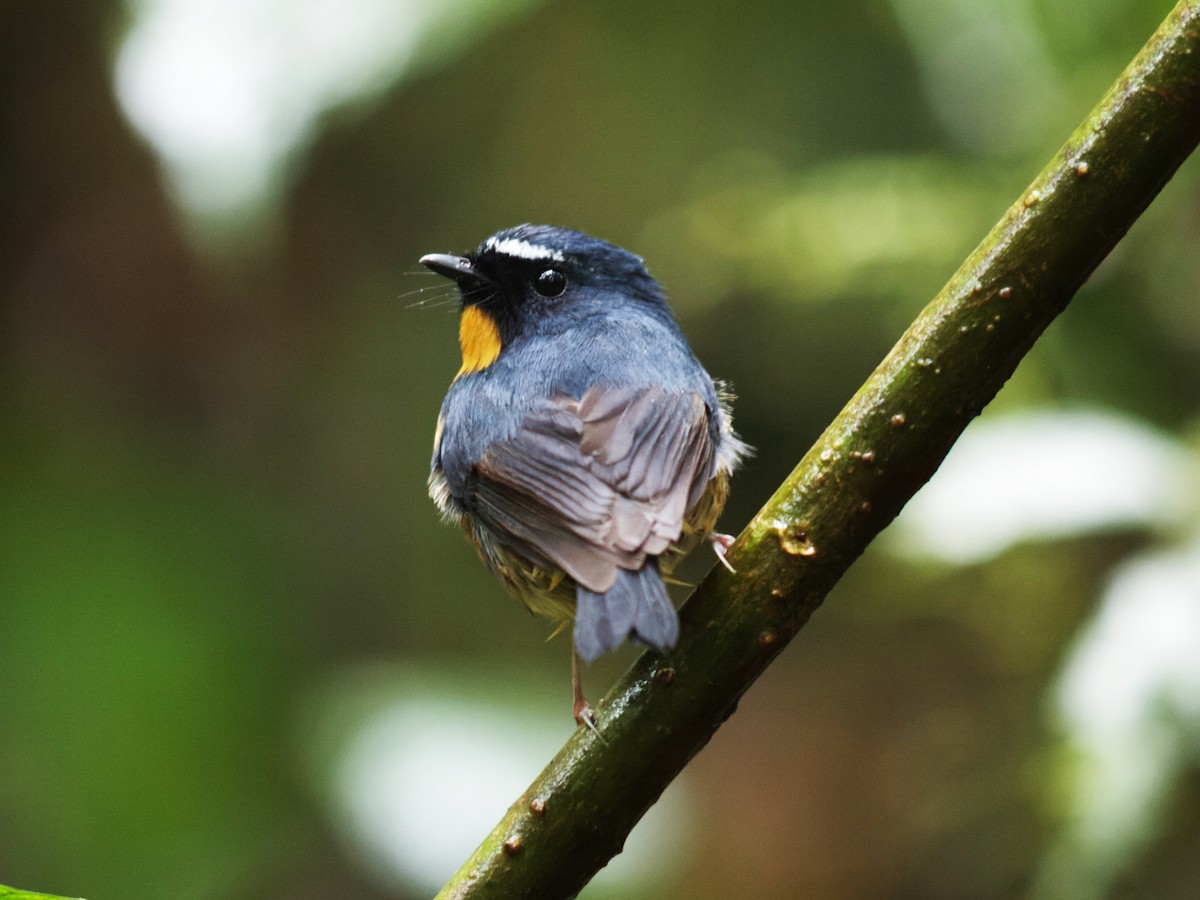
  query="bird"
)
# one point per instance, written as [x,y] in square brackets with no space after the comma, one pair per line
[582,447]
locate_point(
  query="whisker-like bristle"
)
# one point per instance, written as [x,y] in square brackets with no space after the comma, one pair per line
[436,295]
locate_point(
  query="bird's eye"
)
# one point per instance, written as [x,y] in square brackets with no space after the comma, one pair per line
[550,283]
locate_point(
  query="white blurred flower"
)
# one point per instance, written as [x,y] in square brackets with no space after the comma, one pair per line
[1128,701]
[419,776]
[1128,697]
[1044,475]
[227,90]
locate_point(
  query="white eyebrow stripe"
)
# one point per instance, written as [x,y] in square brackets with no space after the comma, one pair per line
[522,249]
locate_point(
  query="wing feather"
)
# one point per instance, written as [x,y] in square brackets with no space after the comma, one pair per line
[597,484]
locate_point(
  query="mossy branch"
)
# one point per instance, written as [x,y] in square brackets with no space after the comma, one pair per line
[880,449]
[7,893]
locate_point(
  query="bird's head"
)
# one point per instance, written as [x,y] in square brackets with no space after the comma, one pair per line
[537,279]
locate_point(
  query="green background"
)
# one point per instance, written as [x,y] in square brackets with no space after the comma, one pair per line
[217,558]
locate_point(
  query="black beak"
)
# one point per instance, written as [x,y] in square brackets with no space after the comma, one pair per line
[455,267]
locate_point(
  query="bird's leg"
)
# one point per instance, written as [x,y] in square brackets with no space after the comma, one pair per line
[721,543]
[583,712]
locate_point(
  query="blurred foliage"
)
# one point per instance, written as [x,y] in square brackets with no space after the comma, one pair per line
[214,435]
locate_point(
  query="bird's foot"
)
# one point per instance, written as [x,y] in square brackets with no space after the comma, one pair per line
[720,544]
[585,717]
[582,711]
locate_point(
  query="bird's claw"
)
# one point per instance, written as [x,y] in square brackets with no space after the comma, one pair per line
[720,544]
[585,717]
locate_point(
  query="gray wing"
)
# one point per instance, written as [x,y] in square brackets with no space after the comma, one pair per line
[597,484]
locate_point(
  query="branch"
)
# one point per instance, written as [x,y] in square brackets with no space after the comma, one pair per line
[7,893]
[878,452]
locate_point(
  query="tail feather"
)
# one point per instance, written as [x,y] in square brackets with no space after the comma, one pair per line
[636,606]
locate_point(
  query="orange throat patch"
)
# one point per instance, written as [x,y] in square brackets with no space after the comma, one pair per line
[479,337]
